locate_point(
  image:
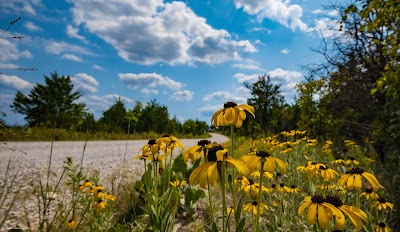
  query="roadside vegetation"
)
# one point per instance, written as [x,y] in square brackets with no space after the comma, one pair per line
[328,162]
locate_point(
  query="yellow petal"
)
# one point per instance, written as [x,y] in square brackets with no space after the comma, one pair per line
[353,217]
[303,207]
[357,182]
[213,175]
[312,213]
[372,180]
[323,219]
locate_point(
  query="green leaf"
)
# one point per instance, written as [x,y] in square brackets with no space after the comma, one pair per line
[146,178]
[192,195]
[240,225]
[179,166]
[239,207]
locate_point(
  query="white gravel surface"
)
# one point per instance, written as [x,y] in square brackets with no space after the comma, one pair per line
[31,159]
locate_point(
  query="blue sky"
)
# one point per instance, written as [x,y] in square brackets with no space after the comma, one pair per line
[191,56]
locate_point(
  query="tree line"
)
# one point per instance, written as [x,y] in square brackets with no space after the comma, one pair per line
[55,104]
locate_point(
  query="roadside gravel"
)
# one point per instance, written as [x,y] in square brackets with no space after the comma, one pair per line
[29,160]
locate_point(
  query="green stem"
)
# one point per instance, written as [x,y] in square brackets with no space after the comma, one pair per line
[260,193]
[223,196]
[210,200]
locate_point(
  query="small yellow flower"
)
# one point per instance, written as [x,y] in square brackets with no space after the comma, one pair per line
[100,193]
[110,197]
[293,189]
[178,184]
[251,188]
[253,208]
[151,148]
[194,152]
[338,161]
[326,187]
[71,224]
[87,183]
[369,194]
[382,204]
[355,214]
[231,114]
[352,160]
[100,204]
[310,168]
[354,179]
[328,174]
[230,210]
[382,227]
[254,162]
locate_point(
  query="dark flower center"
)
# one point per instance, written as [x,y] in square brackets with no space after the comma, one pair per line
[293,186]
[356,171]
[99,201]
[337,158]
[334,200]
[251,181]
[314,163]
[282,185]
[166,136]
[318,199]
[212,153]
[352,158]
[229,105]
[99,191]
[322,167]
[278,174]
[369,190]
[382,224]
[262,154]
[151,142]
[273,185]
[203,142]
[70,220]
[240,178]
[382,200]
[254,203]
[337,231]
[344,150]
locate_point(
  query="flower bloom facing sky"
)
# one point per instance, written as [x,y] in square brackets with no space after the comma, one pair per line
[354,179]
[253,208]
[231,114]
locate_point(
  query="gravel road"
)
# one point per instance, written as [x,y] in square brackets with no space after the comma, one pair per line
[112,159]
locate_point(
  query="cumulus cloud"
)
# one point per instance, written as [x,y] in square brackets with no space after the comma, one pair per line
[242,78]
[14,82]
[142,80]
[73,33]
[71,57]
[85,83]
[248,65]
[276,10]
[285,51]
[98,104]
[32,27]
[209,110]
[9,51]
[224,96]
[182,95]
[329,23]
[163,32]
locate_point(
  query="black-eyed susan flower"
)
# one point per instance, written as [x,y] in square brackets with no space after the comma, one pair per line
[328,174]
[151,148]
[253,162]
[230,210]
[326,187]
[252,208]
[355,214]
[100,204]
[294,189]
[310,168]
[382,204]
[194,152]
[166,139]
[209,169]
[338,160]
[100,193]
[351,161]
[382,227]
[319,209]
[178,184]
[251,188]
[110,197]
[353,177]
[71,224]
[369,194]
[231,114]
[266,174]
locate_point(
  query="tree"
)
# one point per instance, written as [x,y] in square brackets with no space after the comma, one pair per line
[115,118]
[154,117]
[53,104]
[268,103]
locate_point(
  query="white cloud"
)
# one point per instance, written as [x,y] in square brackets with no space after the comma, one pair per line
[14,82]
[8,66]
[9,51]
[246,78]
[99,104]
[73,33]
[209,110]
[182,95]
[249,65]
[163,32]
[72,57]
[95,66]
[85,83]
[285,51]
[261,29]
[149,91]
[56,47]
[224,96]
[328,27]
[21,6]
[32,27]
[142,80]
[276,10]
